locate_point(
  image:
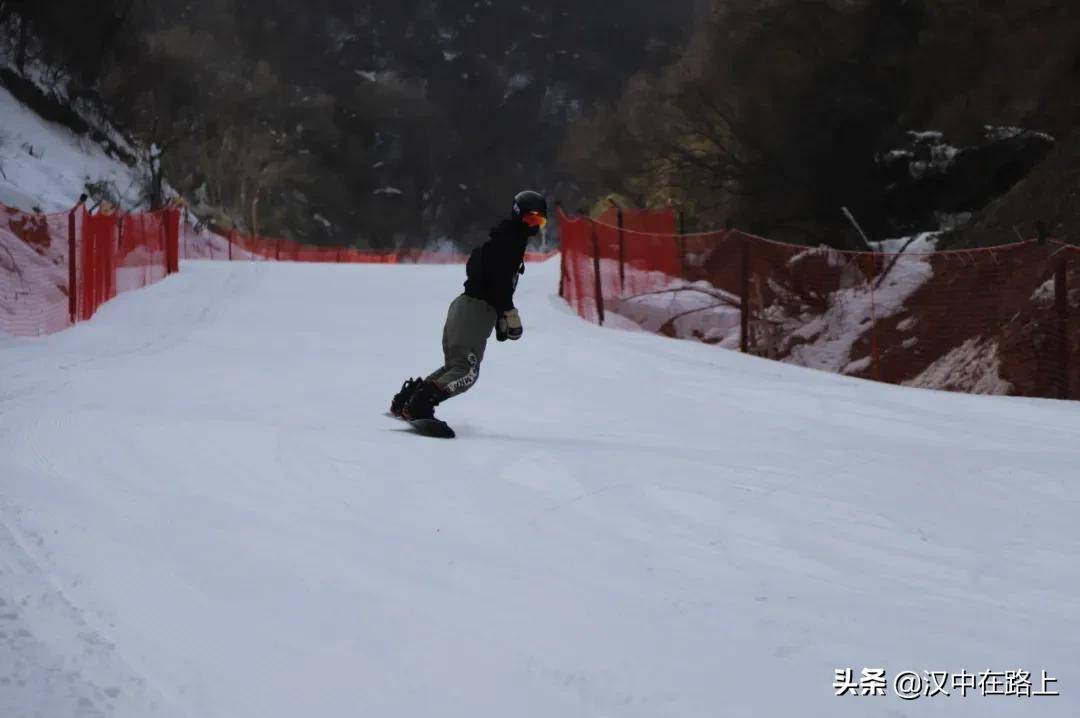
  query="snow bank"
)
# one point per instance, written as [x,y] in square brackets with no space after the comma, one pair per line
[973,367]
[692,311]
[828,339]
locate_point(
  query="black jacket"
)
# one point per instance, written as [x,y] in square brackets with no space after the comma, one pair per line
[493,267]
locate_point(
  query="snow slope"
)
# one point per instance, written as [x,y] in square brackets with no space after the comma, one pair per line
[45,165]
[204,512]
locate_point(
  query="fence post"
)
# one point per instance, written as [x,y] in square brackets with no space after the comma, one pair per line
[183,228]
[622,246]
[682,243]
[562,269]
[744,297]
[562,251]
[1061,301]
[172,238]
[231,233]
[114,252]
[163,235]
[875,349]
[73,275]
[598,286]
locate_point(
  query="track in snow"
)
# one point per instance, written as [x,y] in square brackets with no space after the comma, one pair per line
[204,512]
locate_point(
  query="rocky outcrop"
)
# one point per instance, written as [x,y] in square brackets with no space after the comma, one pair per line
[1047,200]
[929,179]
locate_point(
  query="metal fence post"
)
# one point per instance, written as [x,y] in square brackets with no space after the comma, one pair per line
[875,349]
[560,215]
[622,247]
[598,286]
[682,243]
[73,275]
[172,237]
[744,297]
[1061,302]
[562,269]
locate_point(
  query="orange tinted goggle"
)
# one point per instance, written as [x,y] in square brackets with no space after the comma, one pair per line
[535,219]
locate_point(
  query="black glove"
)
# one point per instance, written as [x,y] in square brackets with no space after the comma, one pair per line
[508,326]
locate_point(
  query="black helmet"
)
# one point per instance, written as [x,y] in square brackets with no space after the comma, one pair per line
[529,203]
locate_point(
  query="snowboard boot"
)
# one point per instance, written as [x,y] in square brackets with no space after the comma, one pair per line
[423,402]
[402,397]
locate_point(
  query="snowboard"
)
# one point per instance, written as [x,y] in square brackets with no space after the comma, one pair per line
[435,428]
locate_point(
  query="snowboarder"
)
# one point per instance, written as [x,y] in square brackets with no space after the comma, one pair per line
[487,304]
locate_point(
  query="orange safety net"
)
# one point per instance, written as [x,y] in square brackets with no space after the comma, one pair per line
[142,255]
[121,253]
[201,243]
[994,320]
[623,253]
[96,263]
[57,269]
[35,281]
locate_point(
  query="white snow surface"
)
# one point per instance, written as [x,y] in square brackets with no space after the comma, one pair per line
[204,512]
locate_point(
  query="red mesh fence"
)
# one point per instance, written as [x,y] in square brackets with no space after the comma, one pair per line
[996,320]
[624,253]
[57,269]
[120,253]
[141,257]
[34,272]
[96,263]
[202,243]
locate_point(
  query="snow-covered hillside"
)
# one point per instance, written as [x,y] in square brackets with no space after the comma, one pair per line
[204,512]
[46,166]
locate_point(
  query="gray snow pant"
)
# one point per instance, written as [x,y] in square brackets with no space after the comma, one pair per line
[469,324]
